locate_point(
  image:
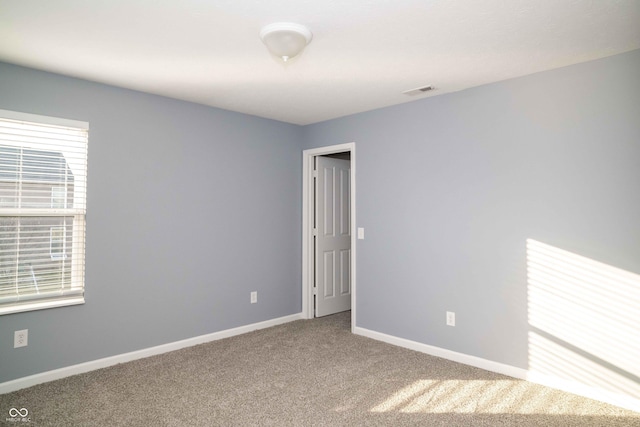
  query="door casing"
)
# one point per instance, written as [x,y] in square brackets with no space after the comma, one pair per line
[308,158]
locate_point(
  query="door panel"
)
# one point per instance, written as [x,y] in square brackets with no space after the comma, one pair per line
[345,272]
[345,215]
[333,238]
[328,284]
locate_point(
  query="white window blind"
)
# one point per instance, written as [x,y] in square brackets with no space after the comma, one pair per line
[43,187]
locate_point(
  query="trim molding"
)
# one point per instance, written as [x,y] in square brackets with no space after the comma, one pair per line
[574,387]
[81,368]
[466,359]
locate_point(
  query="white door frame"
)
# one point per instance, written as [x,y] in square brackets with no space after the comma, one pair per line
[308,157]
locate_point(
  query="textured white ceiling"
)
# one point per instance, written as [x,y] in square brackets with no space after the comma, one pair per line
[364,53]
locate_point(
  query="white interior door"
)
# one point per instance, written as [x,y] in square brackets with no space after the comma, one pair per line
[333,236]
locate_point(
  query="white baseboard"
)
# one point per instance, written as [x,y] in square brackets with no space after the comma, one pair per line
[57,374]
[574,387]
[466,359]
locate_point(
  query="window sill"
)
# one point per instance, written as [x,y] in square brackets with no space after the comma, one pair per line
[42,305]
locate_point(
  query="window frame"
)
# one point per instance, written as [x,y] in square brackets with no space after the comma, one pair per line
[61,295]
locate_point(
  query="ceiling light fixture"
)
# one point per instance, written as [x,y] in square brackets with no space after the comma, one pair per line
[285,39]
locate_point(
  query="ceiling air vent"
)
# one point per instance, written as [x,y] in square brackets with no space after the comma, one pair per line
[418,90]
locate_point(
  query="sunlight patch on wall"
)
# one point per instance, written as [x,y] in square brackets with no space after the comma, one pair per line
[480,397]
[584,319]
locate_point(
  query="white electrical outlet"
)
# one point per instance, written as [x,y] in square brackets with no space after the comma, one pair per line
[451,318]
[254,297]
[21,338]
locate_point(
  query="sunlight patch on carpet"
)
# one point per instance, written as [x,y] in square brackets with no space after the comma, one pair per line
[478,397]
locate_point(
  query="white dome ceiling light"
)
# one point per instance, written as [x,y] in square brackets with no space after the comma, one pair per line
[285,39]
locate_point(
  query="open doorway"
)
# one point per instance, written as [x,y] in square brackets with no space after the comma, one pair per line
[339,161]
[332,234]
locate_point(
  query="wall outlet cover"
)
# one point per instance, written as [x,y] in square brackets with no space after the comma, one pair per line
[451,318]
[21,338]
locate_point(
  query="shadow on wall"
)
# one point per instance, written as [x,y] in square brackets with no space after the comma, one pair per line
[584,324]
[584,337]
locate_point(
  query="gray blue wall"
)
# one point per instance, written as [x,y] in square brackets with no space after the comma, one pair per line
[450,188]
[189,209]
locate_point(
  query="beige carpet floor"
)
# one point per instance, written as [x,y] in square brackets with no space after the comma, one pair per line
[304,373]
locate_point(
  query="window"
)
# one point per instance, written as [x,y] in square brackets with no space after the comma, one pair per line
[58,197]
[58,242]
[43,174]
